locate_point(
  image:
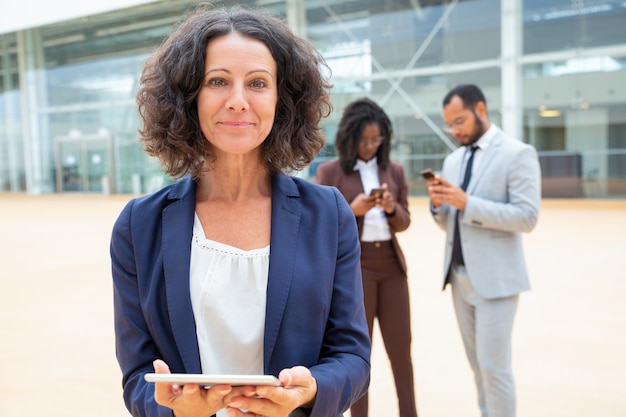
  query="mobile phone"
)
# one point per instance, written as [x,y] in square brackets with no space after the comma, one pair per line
[377,192]
[427,173]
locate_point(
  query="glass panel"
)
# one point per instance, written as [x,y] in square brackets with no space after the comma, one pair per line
[97,160]
[379,49]
[571,106]
[365,38]
[72,171]
[578,115]
[554,25]
[403,54]
[577,65]
[111,80]
[92,69]
[12,173]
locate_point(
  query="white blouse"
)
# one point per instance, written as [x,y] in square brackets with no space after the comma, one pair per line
[375,225]
[228,296]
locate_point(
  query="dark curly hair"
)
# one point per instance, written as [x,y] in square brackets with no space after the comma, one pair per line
[173,75]
[355,116]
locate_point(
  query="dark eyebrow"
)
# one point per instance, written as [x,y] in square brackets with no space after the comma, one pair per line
[248,73]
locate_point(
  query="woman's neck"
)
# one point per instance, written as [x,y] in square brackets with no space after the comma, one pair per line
[231,182]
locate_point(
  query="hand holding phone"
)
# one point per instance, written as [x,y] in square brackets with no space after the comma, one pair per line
[428,174]
[377,192]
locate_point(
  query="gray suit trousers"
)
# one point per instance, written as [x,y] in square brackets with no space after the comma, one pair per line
[486,326]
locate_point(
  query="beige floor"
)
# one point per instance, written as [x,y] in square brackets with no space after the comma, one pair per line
[56,335]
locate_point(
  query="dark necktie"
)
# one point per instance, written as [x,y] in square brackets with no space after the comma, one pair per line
[457,252]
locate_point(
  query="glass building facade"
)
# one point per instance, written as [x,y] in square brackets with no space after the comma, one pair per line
[553,71]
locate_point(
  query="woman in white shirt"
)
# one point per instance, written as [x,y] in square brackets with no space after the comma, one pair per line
[237,268]
[363,144]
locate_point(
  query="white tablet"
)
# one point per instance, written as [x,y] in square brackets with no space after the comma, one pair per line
[210,380]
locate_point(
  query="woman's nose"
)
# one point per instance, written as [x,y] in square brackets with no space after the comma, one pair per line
[237,99]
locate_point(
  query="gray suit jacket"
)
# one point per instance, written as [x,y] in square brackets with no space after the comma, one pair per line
[504,196]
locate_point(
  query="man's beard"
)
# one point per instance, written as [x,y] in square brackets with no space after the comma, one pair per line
[478,130]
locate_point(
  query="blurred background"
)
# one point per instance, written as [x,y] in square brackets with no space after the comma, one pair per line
[553,71]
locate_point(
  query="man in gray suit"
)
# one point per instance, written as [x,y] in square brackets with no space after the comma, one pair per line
[489,191]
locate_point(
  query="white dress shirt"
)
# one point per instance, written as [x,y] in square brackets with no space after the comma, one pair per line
[483,143]
[375,225]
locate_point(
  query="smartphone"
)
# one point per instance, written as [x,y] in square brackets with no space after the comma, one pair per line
[377,192]
[207,380]
[427,173]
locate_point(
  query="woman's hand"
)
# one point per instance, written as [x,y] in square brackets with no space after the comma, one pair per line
[362,203]
[298,389]
[387,202]
[190,400]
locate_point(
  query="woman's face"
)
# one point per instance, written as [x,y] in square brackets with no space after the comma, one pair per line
[369,142]
[237,101]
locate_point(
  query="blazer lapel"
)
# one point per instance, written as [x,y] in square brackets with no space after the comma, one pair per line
[486,159]
[286,213]
[177,229]
[453,173]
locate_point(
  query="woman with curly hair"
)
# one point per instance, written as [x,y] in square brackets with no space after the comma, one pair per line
[238,267]
[363,142]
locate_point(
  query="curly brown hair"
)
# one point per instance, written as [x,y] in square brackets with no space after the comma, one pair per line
[356,115]
[173,75]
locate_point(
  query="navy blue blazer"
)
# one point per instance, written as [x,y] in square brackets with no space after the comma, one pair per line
[314,313]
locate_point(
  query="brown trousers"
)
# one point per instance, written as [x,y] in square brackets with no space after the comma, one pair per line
[386,297]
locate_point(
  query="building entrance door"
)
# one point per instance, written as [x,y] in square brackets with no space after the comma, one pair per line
[84,164]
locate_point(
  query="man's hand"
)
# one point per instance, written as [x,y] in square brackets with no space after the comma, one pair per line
[444,192]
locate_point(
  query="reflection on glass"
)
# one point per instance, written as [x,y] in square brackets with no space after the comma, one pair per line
[556,25]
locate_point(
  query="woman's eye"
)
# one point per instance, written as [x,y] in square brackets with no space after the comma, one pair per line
[216,82]
[258,83]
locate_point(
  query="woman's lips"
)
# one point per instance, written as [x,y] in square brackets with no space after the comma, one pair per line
[237,124]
